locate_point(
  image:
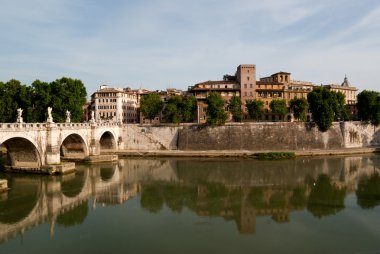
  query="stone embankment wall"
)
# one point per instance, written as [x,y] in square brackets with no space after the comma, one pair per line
[138,137]
[278,136]
[250,136]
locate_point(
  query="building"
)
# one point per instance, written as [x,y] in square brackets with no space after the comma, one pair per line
[115,104]
[244,84]
[349,92]
[280,86]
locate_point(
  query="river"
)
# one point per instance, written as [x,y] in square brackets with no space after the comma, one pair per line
[303,205]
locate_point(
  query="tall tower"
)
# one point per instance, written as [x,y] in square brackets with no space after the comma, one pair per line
[246,76]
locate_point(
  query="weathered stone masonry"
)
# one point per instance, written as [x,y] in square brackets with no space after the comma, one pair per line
[251,136]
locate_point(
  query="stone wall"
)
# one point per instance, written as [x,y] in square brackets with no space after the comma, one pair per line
[361,135]
[147,137]
[277,136]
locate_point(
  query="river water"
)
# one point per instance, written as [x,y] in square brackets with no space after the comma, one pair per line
[304,205]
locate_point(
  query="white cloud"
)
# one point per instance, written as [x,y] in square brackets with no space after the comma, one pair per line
[178,43]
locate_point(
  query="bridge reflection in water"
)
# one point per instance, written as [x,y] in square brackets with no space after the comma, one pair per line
[237,190]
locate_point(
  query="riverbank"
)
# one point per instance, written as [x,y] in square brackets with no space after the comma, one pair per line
[238,153]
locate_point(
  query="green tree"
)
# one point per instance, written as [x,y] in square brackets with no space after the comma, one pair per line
[189,109]
[41,97]
[255,109]
[320,101]
[13,95]
[278,107]
[151,105]
[180,109]
[67,94]
[62,94]
[7,105]
[339,106]
[215,109]
[369,107]
[235,108]
[299,107]
[173,109]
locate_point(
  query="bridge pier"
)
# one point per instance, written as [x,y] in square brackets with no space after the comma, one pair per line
[3,185]
[52,148]
[95,155]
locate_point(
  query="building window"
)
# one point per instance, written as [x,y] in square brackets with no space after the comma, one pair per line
[250,85]
[245,85]
[247,78]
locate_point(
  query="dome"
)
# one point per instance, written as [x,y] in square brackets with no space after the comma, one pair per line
[345,82]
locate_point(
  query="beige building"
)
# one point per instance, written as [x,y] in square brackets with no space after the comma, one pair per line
[115,104]
[280,86]
[350,95]
[244,84]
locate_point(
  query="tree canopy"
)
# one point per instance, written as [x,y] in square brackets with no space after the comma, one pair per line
[325,105]
[62,94]
[299,107]
[151,105]
[180,109]
[255,109]
[278,106]
[235,108]
[215,110]
[339,106]
[369,107]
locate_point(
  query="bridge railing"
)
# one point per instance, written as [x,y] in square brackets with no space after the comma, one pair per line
[5,126]
[11,126]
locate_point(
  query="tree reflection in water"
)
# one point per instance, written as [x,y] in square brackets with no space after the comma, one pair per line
[368,191]
[73,217]
[321,197]
[325,198]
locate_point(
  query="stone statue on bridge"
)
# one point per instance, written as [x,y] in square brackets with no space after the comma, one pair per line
[68,115]
[50,118]
[19,115]
[92,119]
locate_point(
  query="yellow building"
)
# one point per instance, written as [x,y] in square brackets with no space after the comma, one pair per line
[349,92]
[279,85]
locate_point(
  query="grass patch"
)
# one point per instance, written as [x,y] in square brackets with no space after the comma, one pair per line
[275,155]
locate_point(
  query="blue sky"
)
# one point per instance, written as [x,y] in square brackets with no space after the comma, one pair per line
[162,44]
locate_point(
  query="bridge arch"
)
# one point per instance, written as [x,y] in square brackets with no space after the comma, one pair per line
[23,200]
[23,153]
[74,146]
[107,140]
[72,185]
[107,173]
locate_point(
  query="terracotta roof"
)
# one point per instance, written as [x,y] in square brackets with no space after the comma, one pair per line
[218,82]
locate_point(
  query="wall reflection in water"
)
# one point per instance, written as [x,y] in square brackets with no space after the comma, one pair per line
[237,190]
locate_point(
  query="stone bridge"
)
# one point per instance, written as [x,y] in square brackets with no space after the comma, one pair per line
[33,146]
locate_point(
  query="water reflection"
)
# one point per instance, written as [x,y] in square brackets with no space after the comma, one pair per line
[236,190]
[368,191]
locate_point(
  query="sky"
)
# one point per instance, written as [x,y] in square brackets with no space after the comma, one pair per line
[175,44]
